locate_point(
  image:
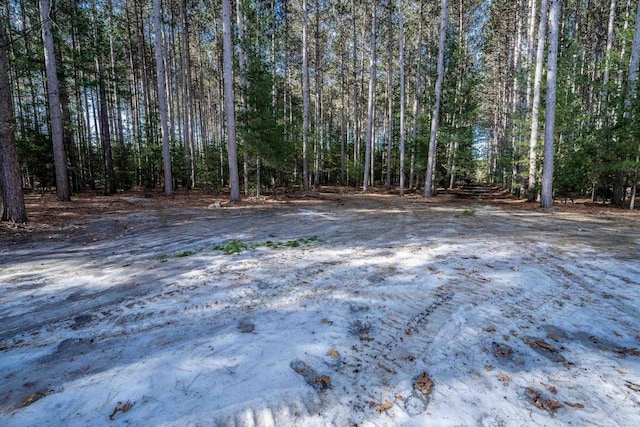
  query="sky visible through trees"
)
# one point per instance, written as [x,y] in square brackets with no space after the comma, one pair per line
[316,96]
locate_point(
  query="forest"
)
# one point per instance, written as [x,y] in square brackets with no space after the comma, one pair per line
[535,96]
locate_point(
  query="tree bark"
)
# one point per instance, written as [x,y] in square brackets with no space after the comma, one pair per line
[370,105]
[631,96]
[187,125]
[402,107]
[229,101]
[305,96]
[431,160]
[546,197]
[162,100]
[55,112]
[13,208]
[535,105]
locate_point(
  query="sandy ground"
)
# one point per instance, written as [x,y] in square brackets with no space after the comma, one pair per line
[334,309]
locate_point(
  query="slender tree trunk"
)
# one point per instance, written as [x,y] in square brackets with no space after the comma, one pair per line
[607,65]
[229,101]
[431,160]
[305,96]
[371,102]
[546,197]
[13,208]
[55,112]
[416,110]
[187,124]
[535,106]
[631,96]
[402,107]
[389,113]
[162,100]
[242,62]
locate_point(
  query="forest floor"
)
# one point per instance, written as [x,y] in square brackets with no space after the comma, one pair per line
[337,308]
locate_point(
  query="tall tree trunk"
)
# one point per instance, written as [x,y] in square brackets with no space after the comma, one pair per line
[55,112]
[535,106]
[631,96]
[187,125]
[13,208]
[607,65]
[431,160]
[305,96]
[229,101]
[371,103]
[546,197]
[402,107]
[162,99]
[242,62]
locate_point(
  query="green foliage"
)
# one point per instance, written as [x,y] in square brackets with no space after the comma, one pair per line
[232,247]
[236,246]
[185,254]
[466,212]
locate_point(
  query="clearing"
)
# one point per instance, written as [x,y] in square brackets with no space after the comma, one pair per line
[337,309]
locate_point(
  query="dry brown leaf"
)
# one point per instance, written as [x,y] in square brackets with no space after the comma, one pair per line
[541,402]
[490,329]
[365,338]
[327,321]
[553,389]
[540,343]
[121,408]
[34,397]
[384,406]
[506,337]
[399,398]
[504,378]
[334,353]
[553,337]
[423,384]
[325,380]
[621,372]
[574,405]
[624,352]
[489,368]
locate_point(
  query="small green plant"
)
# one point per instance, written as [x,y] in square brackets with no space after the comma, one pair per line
[185,254]
[466,212]
[235,246]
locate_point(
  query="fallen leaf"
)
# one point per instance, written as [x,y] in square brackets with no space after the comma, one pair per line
[121,408]
[490,329]
[399,398]
[384,406]
[506,337]
[624,352]
[540,401]
[504,378]
[34,397]
[325,380]
[334,354]
[365,338]
[489,368]
[326,321]
[553,337]
[574,405]
[540,343]
[553,389]
[621,372]
[423,384]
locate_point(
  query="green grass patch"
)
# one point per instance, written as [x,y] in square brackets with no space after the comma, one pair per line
[185,254]
[466,212]
[236,246]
